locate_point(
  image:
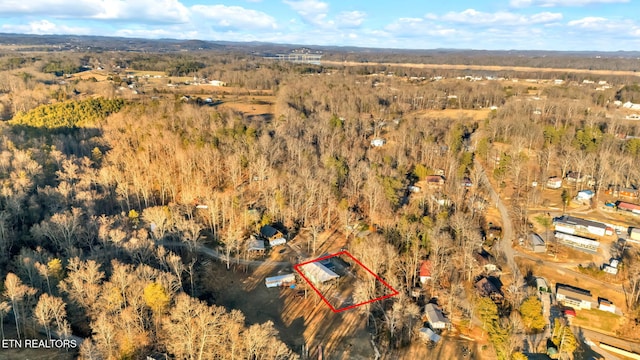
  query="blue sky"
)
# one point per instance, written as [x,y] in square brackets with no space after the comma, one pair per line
[606,25]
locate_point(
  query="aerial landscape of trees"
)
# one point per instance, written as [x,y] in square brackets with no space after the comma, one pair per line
[96,187]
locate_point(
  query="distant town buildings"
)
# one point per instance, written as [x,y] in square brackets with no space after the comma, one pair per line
[299,56]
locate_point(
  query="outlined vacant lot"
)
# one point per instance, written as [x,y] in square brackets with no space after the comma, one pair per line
[335,278]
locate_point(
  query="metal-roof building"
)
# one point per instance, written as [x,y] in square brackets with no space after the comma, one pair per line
[318,273]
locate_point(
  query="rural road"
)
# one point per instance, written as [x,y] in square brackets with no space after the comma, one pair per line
[569,272]
[201,249]
[505,244]
[507,226]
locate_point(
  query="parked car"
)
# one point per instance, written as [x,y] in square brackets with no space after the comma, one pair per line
[569,312]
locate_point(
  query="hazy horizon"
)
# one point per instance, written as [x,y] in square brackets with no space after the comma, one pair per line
[553,25]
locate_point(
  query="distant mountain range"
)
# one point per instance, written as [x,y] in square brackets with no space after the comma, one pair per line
[620,60]
[65,42]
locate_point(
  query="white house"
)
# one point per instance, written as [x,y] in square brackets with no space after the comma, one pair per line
[554,182]
[217,83]
[606,305]
[585,195]
[574,297]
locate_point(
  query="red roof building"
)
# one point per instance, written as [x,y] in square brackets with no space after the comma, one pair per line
[425,271]
[626,206]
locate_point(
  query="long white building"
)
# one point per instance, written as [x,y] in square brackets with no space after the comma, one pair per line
[576,241]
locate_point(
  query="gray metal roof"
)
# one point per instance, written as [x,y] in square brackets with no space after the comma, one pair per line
[434,314]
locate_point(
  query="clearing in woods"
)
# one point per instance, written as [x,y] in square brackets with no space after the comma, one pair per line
[339,293]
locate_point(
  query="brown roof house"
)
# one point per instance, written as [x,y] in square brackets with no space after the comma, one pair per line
[434,181]
[574,297]
[487,287]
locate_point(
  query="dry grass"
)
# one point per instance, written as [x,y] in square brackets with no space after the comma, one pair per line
[596,319]
[299,320]
[476,115]
[487,68]
[250,105]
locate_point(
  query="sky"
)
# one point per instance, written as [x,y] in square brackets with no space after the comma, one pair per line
[602,25]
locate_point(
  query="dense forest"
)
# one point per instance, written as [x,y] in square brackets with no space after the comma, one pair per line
[95,186]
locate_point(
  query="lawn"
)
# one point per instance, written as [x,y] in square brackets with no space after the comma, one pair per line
[597,319]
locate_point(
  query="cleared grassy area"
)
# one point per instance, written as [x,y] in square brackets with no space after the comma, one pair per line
[597,319]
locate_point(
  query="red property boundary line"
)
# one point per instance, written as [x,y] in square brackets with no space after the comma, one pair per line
[297,268]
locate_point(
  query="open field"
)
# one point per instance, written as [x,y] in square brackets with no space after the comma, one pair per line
[299,320]
[486,68]
[476,115]
[447,348]
[599,320]
[340,293]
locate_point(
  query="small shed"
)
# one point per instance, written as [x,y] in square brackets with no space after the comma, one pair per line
[427,334]
[280,280]
[606,305]
[537,243]
[255,245]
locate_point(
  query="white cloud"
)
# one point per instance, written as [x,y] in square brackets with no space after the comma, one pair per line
[42,27]
[418,27]
[350,19]
[160,11]
[235,17]
[562,3]
[166,33]
[588,22]
[172,11]
[53,8]
[312,11]
[599,26]
[474,17]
